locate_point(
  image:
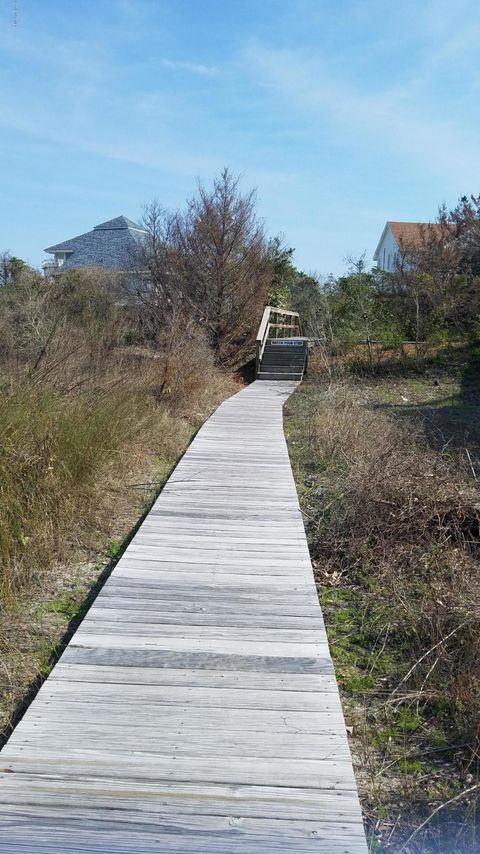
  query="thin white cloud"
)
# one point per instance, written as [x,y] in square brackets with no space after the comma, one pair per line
[389,117]
[86,110]
[191,67]
[156,156]
[71,57]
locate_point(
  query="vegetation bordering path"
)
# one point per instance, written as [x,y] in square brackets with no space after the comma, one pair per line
[392,511]
[75,479]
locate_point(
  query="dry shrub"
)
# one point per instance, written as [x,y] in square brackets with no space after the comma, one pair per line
[44,323]
[186,376]
[401,521]
[319,364]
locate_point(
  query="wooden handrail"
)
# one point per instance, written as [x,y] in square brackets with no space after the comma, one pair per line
[264,323]
[270,321]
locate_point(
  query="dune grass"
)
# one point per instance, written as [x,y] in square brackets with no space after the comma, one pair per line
[59,454]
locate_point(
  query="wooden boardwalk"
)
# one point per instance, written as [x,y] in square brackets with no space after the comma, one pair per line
[195,709]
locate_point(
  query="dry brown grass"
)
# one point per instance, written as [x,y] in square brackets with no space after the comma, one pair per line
[402,513]
[394,530]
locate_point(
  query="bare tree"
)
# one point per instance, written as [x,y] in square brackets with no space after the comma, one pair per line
[210,264]
[222,263]
[151,279]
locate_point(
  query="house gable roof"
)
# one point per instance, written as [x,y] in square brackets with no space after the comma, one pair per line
[412,234]
[109,244]
[408,235]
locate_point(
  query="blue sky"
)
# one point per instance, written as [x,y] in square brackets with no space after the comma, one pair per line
[343,113]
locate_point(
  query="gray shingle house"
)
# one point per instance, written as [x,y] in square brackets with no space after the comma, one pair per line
[111,244]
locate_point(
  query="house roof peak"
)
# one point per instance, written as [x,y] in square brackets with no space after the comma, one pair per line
[118,222]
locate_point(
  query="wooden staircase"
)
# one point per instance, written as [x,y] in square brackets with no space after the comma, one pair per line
[281,349]
[283,359]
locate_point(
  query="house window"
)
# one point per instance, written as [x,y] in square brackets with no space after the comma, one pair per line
[389,261]
[383,265]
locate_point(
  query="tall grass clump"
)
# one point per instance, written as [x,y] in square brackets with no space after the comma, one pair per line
[59,457]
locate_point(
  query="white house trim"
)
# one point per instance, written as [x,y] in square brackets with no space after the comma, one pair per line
[387,250]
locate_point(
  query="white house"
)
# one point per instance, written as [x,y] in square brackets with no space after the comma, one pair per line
[398,238]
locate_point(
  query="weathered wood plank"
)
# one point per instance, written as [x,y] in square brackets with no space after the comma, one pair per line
[205,678]
[126,657]
[199,743]
[162,633]
[155,616]
[245,826]
[186,798]
[184,716]
[303,773]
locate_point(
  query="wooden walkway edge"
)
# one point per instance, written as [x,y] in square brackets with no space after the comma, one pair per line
[195,709]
